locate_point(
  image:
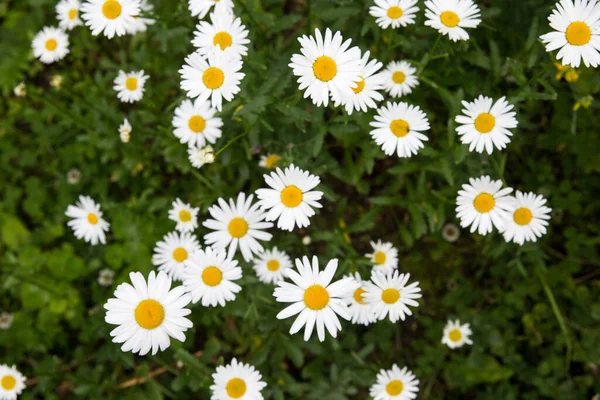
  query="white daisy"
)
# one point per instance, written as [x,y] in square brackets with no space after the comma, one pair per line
[399,78]
[202,7]
[395,384]
[456,335]
[577,32]
[6,320]
[398,128]
[482,203]
[195,123]
[199,156]
[141,23]
[124,131]
[185,215]
[110,16]
[148,314]
[106,277]
[224,31]
[87,222]
[50,45]
[271,266]
[73,176]
[315,298]
[449,17]
[326,67]
[485,124]
[290,198]
[171,253]
[390,296]
[394,12]
[527,219]
[209,276]
[130,85]
[451,232]
[237,381]
[67,13]
[360,310]
[369,84]
[217,77]
[384,257]
[12,382]
[269,161]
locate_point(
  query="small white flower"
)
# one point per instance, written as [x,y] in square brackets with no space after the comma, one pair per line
[12,382]
[56,81]
[456,335]
[6,320]
[171,253]
[384,257]
[201,7]
[224,31]
[106,277]
[369,84]
[390,296]
[20,90]
[124,131]
[67,13]
[195,123]
[399,78]
[271,266]
[199,156]
[361,311]
[395,384]
[185,215]
[237,381]
[50,45]
[73,176]
[306,240]
[130,85]
[87,222]
[450,17]
[110,16]
[527,219]
[451,232]
[394,13]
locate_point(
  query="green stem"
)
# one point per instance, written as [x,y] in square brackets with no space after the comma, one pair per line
[230,143]
[429,55]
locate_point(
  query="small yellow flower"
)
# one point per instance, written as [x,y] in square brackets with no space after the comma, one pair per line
[584,102]
[564,71]
[572,76]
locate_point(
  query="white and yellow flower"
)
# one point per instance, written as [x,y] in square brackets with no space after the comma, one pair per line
[225,31]
[130,85]
[528,218]
[271,266]
[394,13]
[171,253]
[360,310]
[390,296]
[87,222]
[237,381]
[369,84]
[142,23]
[456,335]
[450,17]
[199,156]
[201,7]
[395,384]
[12,382]
[110,16]
[125,131]
[184,215]
[384,257]
[67,13]
[50,45]
[195,123]
[399,78]
[269,161]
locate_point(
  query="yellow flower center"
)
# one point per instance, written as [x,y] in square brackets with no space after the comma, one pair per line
[92,218]
[316,297]
[485,122]
[325,68]
[380,258]
[149,314]
[291,196]
[358,296]
[394,12]
[273,265]
[223,40]
[390,296]
[455,335]
[180,254]
[523,216]
[8,382]
[272,160]
[449,18]
[212,276]
[131,83]
[399,127]
[111,9]
[213,78]
[236,388]
[361,85]
[72,13]
[238,227]
[398,77]
[51,44]
[394,388]
[185,216]
[484,202]
[578,33]
[197,124]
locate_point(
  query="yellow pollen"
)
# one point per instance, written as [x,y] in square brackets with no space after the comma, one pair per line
[149,314]
[213,78]
[72,13]
[361,85]
[238,227]
[185,216]
[325,68]
[390,296]
[291,196]
[223,40]
[92,218]
[131,83]
[272,160]
[180,254]
[358,296]
[484,202]
[485,122]
[399,127]
[51,44]
[111,9]
[8,382]
[578,33]
[273,265]
[523,216]
[316,297]
[449,18]
[455,335]
[197,124]
[394,12]
[398,77]
[236,388]
[379,258]
[394,388]
[212,276]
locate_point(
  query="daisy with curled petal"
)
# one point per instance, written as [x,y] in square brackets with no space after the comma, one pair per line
[130,85]
[577,32]
[482,204]
[199,156]
[450,17]
[399,78]
[316,300]
[486,124]
[394,13]
[237,381]
[269,161]
[216,77]
[185,215]
[360,310]
[171,253]
[125,131]
[201,7]
[384,257]
[290,198]
[50,45]
[195,123]
[395,384]
[390,296]
[208,276]
[456,335]
[271,266]
[225,31]
[87,222]
[110,16]
[148,313]
[398,128]
[238,223]
[12,382]
[327,67]
[366,93]
[142,23]
[67,13]
[528,218]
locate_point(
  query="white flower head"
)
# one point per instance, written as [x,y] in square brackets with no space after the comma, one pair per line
[20,90]
[87,222]
[195,123]
[56,81]
[199,156]
[269,161]
[450,17]
[271,266]
[399,78]
[395,384]
[73,176]
[201,7]
[237,381]
[6,320]
[527,218]
[225,31]
[106,277]
[184,215]
[456,335]
[110,16]
[130,85]
[50,45]
[67,13]
[369,84]
[361,311]
[171,253]
[384,257]
[141,23]
[390,295]
[124,131]
[12,382]
[394,13]
[451,232]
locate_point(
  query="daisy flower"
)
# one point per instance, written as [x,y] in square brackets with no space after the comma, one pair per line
[171,253]
[142,23]
[394,12]
[482,203]
[201,7]
[269,161]
[209,276]
[449,17]
[67,13]
[399,78]
[6,320]
[237,381]
[73,176]
[456,335]
[486,124]
[398,128]
[12,382]
[50,45]
[224,31]
[110,16]
[290,198]
[130,85]
[390,296]
[87,222]
[199,156]
[238,223]
[384,257]
[527,219]
[326,67]
[315,298]
[195,123]
[106,277]
[451,232]
[395,384]
[216,77]
[148,313]
[271,266]
[185,215]
[360,310]
[369,83]
[124,131]
[577,32]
